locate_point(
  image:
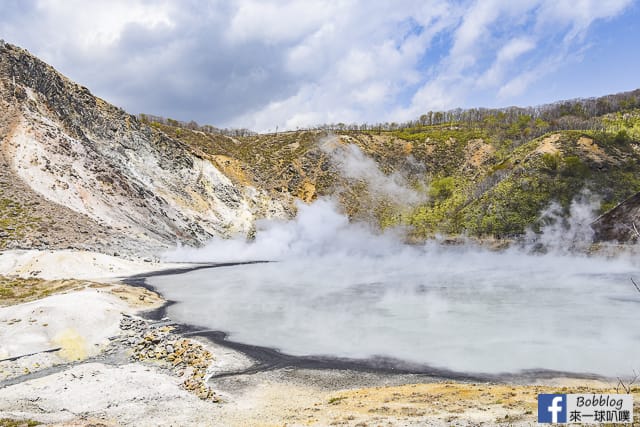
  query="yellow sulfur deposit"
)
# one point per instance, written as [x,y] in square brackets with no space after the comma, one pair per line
[73,345]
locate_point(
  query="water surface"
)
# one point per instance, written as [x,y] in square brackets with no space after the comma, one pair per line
[465,310]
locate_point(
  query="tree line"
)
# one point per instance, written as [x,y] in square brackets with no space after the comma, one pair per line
[562,115]
[513,122]
[192,125]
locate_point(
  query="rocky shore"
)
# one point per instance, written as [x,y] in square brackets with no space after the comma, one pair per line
[155,343]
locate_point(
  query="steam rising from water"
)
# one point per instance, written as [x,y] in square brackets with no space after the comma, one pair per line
[565,234]
[353,163]
[319,230]
[341,290]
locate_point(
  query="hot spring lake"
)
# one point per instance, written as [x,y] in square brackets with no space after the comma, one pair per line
[469,311]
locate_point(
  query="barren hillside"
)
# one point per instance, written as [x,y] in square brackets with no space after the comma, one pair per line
[81,172]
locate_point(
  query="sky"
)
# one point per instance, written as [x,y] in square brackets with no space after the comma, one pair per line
[262,64]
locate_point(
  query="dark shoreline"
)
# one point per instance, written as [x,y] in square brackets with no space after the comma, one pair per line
[266,358]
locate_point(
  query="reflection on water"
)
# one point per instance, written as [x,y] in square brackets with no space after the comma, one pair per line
[470,311]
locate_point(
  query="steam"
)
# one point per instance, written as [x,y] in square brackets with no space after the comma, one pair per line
[460,308]
[353,163]
[567,233]
[342,289]
[318,230]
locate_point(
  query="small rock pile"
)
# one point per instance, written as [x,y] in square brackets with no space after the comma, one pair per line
[183,357]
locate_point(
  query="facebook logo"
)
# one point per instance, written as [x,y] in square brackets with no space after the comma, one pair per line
[552,408]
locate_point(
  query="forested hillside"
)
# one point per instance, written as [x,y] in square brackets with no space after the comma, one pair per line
[480,172]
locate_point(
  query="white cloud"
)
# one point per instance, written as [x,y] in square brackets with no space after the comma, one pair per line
[513,28]
[472,30]
[352,67]
[97,24]
[578,14]
[506,55]
[518,84]
[278,21]
[372,93]
[514,49]
[287,63]
[440,93]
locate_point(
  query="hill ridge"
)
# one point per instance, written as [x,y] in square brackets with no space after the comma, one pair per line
[149,183]
[78,151]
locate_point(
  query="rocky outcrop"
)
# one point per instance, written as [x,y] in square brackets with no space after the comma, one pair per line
[621,224]
[92,158]
[158,345]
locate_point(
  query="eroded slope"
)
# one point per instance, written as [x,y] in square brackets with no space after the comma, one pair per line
[79,152]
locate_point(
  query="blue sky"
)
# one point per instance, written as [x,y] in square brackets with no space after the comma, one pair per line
[267,63]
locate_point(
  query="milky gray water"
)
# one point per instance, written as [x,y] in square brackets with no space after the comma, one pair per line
[466,310]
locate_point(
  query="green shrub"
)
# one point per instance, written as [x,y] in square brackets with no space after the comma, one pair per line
[442,188]
[551,161]
[573,166]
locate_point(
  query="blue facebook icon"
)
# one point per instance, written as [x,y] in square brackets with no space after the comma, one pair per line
[552,408]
